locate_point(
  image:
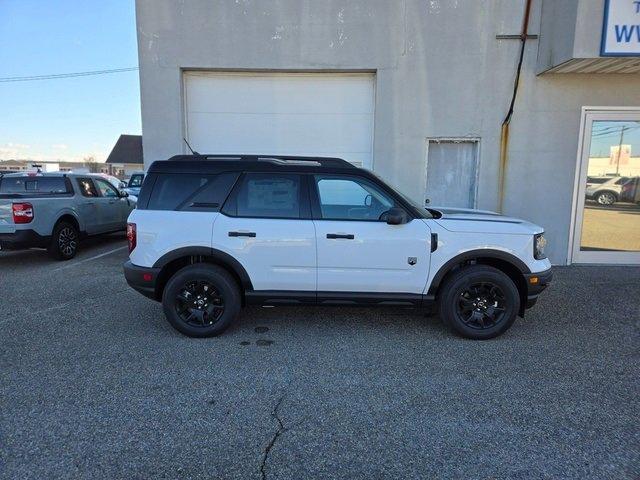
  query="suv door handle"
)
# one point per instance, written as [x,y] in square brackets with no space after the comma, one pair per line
[348,236]
[242,234]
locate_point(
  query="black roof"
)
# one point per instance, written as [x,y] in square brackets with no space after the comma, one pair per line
[128,149]
[217,163]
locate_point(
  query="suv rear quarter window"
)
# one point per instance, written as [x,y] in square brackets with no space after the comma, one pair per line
[191,192]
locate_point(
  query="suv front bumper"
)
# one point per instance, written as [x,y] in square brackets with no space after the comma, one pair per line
[142,279]
[536,284]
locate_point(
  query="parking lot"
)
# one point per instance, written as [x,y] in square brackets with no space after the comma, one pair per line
[94,383]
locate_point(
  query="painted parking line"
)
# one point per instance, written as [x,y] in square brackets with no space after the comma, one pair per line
[89,259]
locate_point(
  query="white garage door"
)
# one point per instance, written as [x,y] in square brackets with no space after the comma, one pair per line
[281,114]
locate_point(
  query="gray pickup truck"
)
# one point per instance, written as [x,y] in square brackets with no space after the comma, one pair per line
[56,210]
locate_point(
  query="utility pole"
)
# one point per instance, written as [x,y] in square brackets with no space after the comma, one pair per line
[620,149]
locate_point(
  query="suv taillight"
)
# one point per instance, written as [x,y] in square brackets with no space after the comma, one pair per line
[131,236]
[22,212]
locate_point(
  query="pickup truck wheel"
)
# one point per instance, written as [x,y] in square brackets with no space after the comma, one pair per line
[64,241]
[479,302]
[201,300]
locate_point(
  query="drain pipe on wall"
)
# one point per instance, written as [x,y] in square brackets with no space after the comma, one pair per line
[504,132]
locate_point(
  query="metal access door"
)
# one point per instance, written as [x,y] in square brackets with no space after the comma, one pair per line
[452,172]
[606,227]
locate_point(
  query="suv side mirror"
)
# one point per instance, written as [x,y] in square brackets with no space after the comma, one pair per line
[395,216]
[122,193]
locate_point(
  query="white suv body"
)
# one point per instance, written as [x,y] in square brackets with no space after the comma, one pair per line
[605,190]
[320,231]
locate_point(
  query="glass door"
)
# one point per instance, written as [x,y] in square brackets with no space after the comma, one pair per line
[607,217]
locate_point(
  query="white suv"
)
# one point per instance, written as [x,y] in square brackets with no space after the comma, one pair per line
[213,233]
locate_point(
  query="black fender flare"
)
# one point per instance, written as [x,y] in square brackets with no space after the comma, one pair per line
[471,255]
[218,256]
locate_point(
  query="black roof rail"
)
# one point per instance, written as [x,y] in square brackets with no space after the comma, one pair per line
[274,159]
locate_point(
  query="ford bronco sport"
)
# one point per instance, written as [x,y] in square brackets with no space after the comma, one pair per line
[213,233]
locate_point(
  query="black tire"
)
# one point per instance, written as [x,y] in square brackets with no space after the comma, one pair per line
[606,198]
[479,302]
[201,300]
[64,241]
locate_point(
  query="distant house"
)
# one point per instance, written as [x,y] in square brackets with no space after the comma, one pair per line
[126,156]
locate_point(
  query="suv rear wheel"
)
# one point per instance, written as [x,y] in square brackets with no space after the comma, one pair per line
[64,241]
[201,300]
[479,302]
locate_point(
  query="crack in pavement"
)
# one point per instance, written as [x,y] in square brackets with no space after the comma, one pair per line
[281,429]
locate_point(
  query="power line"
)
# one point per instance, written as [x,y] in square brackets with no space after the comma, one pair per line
[66,75]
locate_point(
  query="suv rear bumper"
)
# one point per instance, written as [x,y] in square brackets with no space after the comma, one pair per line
[536,287]
[142,279]
[21,239]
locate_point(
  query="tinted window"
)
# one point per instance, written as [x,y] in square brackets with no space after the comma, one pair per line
[190,191]
[269,195]
[351,198]
[33,185]
[105,188]
[87,188]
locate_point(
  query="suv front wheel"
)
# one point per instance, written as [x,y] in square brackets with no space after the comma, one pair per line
[479,302]
[201,300]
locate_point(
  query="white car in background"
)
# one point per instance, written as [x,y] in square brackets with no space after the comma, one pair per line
[605,190]
[120,186]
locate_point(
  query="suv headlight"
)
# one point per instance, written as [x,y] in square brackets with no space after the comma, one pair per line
[539,244]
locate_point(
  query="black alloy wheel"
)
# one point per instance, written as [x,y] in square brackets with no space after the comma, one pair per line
[201,300]
[199,304]
[478,301]
[481,305]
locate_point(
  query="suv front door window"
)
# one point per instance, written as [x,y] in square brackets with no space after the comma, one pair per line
[357,251]
[351,199]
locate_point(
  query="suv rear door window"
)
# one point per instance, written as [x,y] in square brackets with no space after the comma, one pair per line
[269,195]
[32,184]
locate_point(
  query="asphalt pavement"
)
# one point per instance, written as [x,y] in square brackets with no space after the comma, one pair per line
[94,383]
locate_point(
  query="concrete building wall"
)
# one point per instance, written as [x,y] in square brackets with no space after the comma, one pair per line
[440,72]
